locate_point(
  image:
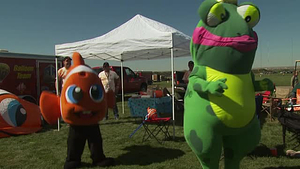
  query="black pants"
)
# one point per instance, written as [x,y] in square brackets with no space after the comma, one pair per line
[115,110]
[76,142]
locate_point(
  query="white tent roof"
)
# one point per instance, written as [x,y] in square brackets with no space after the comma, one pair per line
[138,38]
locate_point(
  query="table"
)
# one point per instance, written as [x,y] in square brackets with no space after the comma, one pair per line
[138,106]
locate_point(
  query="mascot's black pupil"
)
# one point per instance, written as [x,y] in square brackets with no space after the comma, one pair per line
[21,115]
[77,94]
[248,19]
[95,92]
[222,16]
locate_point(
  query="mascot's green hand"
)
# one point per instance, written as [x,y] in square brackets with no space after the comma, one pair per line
[217,87]
[266,85]
[213,87]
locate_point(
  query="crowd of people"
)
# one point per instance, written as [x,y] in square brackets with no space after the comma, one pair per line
[110,81]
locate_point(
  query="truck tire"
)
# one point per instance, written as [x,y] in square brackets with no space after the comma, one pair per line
[143,88]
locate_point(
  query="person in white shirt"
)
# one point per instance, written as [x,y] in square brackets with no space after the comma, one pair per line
[111,83]
[62,72]
[187,73]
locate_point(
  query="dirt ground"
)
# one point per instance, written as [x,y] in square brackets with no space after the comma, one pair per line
[282,91]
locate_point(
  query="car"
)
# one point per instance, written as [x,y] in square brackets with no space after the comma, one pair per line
[147,75]
[133,83]
[178,82]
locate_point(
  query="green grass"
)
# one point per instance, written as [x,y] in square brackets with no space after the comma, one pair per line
[47,149]
[278,79]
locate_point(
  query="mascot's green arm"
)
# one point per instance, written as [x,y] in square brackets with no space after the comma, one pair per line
[202,86]
[262,85]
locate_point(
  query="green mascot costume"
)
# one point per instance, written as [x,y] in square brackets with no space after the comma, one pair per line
[220,97]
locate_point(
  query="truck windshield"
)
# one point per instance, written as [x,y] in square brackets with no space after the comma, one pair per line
[130,73]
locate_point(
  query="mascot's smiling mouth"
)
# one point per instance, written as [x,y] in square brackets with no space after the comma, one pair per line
[85,114]
[243,43]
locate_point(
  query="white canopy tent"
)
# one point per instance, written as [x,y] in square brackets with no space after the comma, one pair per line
[137,39]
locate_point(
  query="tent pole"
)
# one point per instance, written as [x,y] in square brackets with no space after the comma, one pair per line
[172,82]
[122,85]
[56,74]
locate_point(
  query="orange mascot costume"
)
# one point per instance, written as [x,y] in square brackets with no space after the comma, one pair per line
[18,116]
[82,105]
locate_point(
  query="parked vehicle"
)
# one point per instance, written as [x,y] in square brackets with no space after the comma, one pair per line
[156,77]
[147,75]
[27,75]
[132,82]
[178,82]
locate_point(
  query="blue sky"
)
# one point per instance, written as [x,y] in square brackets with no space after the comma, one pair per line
[35,26]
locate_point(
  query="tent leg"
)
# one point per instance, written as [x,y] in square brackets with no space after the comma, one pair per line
[122,85]
[56,69]
[172,82]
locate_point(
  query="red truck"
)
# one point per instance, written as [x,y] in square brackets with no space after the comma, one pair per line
[27,75]
[147,75]
[132,82]
[178,82]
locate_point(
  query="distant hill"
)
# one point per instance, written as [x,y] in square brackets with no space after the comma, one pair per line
[265,70]
[274,70]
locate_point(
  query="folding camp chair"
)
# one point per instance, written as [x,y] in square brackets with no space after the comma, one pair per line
[267,103]
[153,126]
[161,125]
[179,98]
[290,121]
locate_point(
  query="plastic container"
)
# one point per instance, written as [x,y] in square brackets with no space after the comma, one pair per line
[273,151]
[158,93]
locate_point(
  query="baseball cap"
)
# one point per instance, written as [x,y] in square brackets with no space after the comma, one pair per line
[105,64]
[65,58]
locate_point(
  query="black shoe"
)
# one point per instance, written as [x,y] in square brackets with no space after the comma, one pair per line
[72,165]
[105,163]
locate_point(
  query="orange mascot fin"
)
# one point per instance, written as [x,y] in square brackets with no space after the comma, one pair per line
[50,107]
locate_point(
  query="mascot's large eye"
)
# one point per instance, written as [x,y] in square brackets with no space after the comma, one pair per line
[74,94]
[13,112]
[96,93]
[216,15]
[250,14]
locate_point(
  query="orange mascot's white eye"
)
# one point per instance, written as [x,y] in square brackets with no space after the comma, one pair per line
[13,112]
[73,94]
[96,93]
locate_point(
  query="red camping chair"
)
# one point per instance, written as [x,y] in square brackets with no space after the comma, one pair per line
[161,125]
[154,127]
[267,103]
[266,96]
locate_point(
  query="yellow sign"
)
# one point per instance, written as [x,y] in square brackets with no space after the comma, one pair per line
[22,68]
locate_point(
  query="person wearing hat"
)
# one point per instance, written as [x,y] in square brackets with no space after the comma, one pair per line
[62,72]
[111,83]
